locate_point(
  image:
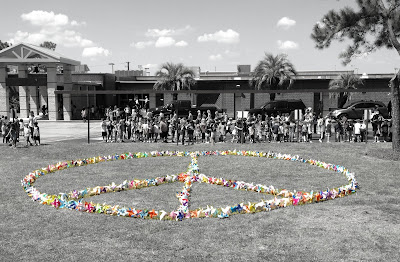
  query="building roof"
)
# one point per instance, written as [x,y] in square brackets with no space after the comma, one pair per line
[28,53]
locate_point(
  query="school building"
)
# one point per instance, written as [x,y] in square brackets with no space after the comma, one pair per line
[32,77]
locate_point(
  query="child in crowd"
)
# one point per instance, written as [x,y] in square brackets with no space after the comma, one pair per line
[292,128]
[190,131]
[328,129]
[222,131]
[363,130]
[197,131]
[338,131]
[114,131]
[21,128]
[385,131]
[350,131]
[12,134]
[103,126]
[304,131]
[251,133]
[357,131]
[4,132]
[36,134]
[145,130]
[156,131]
[309,130]
[275,131]
[213,132]
[321,128]
[27,135]
[286,125]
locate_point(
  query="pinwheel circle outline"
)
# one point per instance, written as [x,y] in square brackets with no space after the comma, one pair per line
[74,199]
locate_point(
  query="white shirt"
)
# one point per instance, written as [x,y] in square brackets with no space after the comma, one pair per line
[357,127]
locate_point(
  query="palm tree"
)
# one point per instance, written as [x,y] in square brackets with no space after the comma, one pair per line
[174,77]
[344,81]
[273,72]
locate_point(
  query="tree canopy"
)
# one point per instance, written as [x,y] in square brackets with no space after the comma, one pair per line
[48,44]
[4,45]
[174,77]
[375,25]
[273,72]
[344,81]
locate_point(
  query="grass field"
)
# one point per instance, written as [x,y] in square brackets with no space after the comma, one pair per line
[360,227]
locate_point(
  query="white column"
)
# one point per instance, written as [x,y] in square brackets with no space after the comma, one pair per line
[33,99]
[43,96]
[67,87]
[51,87]
[4,92]
[24,97]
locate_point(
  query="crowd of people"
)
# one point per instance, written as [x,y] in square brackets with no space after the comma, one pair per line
[16,130]
[140,125]
[209,127]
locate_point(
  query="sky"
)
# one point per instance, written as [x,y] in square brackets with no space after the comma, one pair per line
[215,35]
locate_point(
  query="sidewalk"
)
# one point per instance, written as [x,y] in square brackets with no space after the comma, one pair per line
[55,131]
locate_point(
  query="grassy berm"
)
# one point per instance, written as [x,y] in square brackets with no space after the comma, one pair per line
[361,227]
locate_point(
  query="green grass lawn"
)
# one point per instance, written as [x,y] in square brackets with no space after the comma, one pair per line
[359,227]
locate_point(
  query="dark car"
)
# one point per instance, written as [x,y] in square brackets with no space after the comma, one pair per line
[355,110]
[278,107]
[183,106]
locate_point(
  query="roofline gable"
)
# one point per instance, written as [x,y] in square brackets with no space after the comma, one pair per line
[23,50]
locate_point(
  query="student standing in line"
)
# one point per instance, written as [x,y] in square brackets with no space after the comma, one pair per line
[328,129]
[103,126]
[385,131]
[357,131]
[321,128]
[12,134]
[36,134]
[27,135]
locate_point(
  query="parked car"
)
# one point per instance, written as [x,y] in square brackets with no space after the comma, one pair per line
[278,107]
[355,110]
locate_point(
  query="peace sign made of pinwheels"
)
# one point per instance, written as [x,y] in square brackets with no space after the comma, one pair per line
[282,197]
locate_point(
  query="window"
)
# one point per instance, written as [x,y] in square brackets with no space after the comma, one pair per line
[360,105]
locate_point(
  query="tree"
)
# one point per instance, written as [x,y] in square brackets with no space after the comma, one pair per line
[344,81]
[375,25]
[4,45]
[273,72]
[48,44]
[174,77]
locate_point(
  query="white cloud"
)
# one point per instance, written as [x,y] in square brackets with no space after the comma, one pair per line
[181,44]
[75,23]
[44,18]
[158,32]
[286,23]
[150,66]
[67,38]
[286,45]
[52,27]
[166,32]
[231,53]
[215,57]
[142,44]
[228,37]
[165,41]
[95,51]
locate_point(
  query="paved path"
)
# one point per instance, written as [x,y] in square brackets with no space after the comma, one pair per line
[55,131]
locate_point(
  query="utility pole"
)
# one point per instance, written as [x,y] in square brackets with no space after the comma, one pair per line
[128,64]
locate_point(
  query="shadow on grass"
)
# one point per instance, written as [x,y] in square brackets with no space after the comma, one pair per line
[383,153]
